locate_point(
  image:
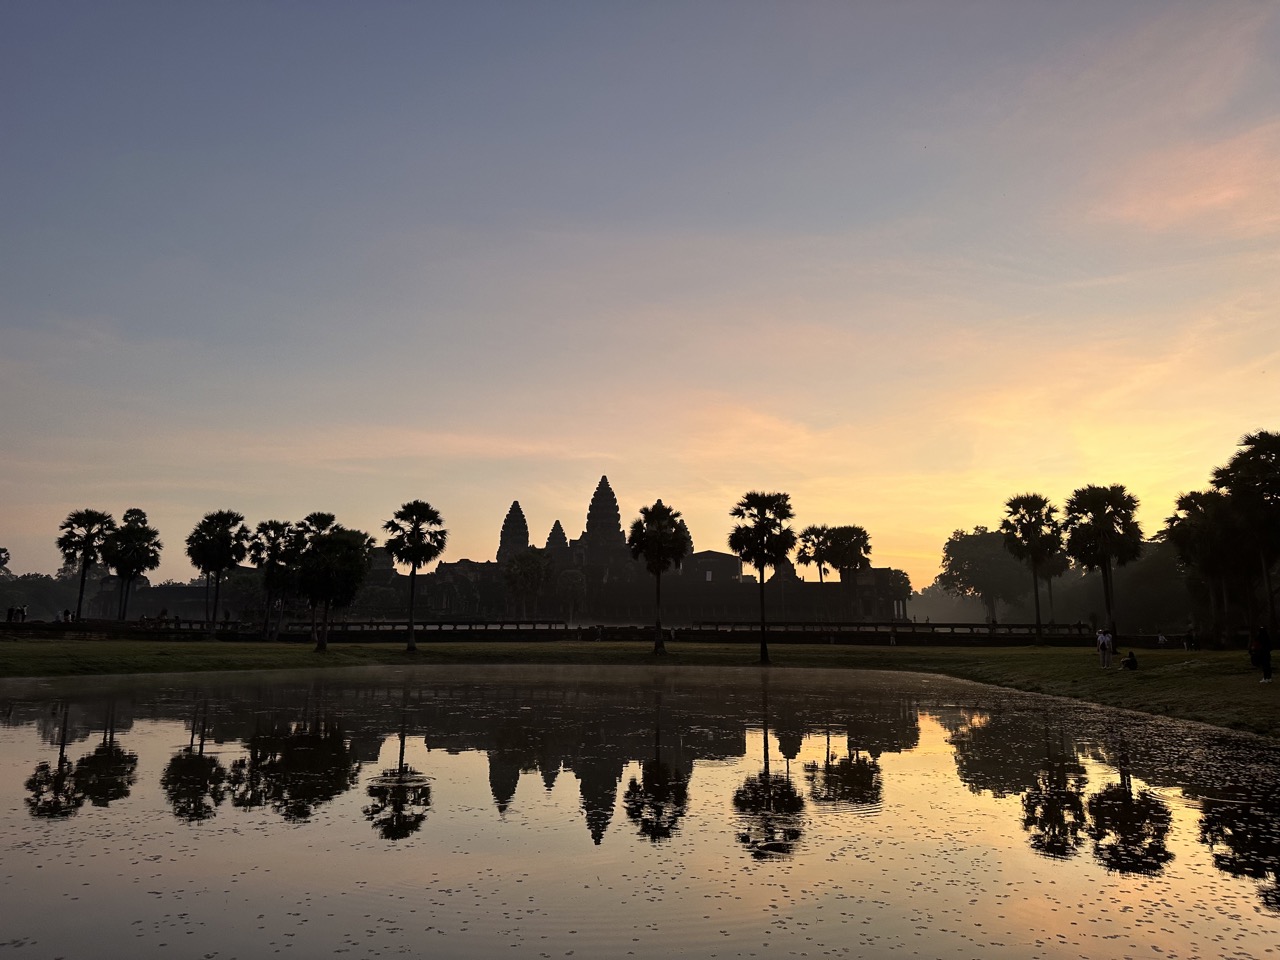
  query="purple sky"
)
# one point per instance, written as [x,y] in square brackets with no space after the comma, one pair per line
[901,260]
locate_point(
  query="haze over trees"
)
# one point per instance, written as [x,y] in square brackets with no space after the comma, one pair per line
[978,565]
[762,541]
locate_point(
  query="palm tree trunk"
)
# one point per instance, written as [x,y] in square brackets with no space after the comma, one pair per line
[1266,587]
[84,575]
[1035,589]
[764,639]
[322,644]
[266,614]
[658,645]
[1053,616]
[413,581]
[1107,595]
[217,592]
[124,603]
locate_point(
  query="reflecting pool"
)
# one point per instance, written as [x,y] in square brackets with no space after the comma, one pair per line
[552,812]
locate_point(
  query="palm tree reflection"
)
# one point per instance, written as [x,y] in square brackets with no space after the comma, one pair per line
[400,797]
[195,785]
[55,791]
[107,774]
[1244,835]
[657,802]
[772,806]
[1136,825]
[853,779]
[1053,808]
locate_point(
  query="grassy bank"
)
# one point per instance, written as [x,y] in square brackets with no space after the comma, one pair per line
[1208,686]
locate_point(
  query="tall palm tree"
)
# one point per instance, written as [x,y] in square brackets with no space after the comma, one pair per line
[815,546]
[764,540]
[417,537]
[660,539]
[130,550]
[274,550]
[83,534]
[219,542]
[1033,535]
[1101,531]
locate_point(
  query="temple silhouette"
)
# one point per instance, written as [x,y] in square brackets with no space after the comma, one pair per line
[593,579]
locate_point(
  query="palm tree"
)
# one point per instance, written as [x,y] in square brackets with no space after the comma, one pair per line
[815,545]
[849,549]
[219,542]
[274,550]
[1032,534]
[130,550]
[83,534]
[764,540]
[417,537]
[660,539]
[312,526]
[1101,531]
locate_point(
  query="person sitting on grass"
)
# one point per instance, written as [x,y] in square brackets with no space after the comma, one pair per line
[1130,662]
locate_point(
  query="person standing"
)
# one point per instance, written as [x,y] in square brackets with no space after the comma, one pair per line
[1104,656]
[1264,654]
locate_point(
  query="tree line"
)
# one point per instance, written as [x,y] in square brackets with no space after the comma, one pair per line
[1227,539]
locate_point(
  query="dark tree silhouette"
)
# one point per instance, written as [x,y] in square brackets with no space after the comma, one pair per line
[763,541]
[1033,535]
[658,538]
[219,542]
[83,534]
[1102,532]
[417,538]
[332,568]
[849,550]
[131,549]
[297,767]
[274,549]
[1207,528]
[977,565]
[815,548]
[853,779]
[1252,478]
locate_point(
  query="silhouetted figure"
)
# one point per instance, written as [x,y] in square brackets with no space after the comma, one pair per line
[1130,662]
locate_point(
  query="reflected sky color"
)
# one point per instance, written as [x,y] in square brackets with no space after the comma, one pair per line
[526,837]
[281,259]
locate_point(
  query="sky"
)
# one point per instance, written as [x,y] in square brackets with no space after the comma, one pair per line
[902,261]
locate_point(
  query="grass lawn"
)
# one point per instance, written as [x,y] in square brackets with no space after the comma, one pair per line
[1208,686]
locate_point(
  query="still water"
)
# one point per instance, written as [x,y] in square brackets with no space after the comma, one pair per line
[554,812]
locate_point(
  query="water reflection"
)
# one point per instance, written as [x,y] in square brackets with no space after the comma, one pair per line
[673,773]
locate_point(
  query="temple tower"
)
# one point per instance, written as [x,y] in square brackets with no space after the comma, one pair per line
[515,534]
